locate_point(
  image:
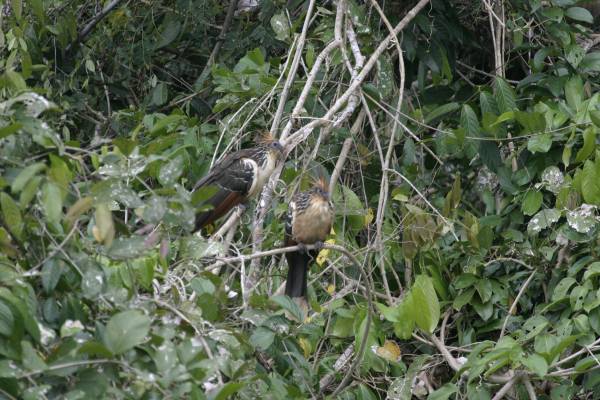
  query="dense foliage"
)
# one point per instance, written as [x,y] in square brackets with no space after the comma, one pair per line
[468,213]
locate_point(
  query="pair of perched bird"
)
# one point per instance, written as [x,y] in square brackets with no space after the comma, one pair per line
[241,175]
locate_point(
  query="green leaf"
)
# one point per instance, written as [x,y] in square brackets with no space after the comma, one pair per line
[574,93]
[17,6]
[533,122]
[171,171]
[536,364]
[561,289]
[469,121]
[532,202]
[229,389]
[579,14]
[262,338]
[31,360]
[7,319]
[542,220]
[160,94]
[539,143]
[126,330]
[401,388]
[280,25]
[26,313]
[170,30]
[595,117]
[51,273]
[589,144]
[11,215]
[444,392]
[425,304]
[25,175]
[30,191]
[289,305]
[52,202]
[441,111]
[590,182]
[505,95]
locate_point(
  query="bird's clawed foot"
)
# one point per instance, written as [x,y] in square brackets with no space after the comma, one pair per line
[301,248]
[319,245]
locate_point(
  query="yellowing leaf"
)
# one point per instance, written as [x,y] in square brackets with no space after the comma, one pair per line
[324,253]
[306,347]
[331,289]
[81,206]
[369,216]
[104,230]
[390,351]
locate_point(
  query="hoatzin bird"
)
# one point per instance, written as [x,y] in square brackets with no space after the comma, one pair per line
[309,219]
[238,177]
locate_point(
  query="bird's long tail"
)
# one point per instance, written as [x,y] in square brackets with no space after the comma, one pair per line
[296,284]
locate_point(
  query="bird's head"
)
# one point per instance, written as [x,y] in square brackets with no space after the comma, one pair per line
[272,145]
[321,187]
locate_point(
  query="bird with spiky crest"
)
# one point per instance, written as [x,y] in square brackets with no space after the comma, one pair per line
[236,178]
[308,221]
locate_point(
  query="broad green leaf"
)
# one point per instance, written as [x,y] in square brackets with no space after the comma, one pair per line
[469,121]
[532,202]
[574,93]
[17,7]
[401,387]
[444,392]
[539,143]
[441,111]
[592,270]
[289,305]
[26,313]
[170,30]
[405,325]
[52,202]
[7,319]
[11,214]
[561,289]
[171,171]
[25,175]
[229,389]
[280,25]
[51,273]
[579,14]
[595,117]
[504,95]
[160,94]
[532,122]
[262,338]
[542,220]
[425,305]
[590,182]
[31,360]
[589,144]
[536,364]
[126,330]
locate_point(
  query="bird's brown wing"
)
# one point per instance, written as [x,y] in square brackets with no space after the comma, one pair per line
[232,178]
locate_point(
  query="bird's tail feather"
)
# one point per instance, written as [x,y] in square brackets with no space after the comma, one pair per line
[296,283]
[221,202]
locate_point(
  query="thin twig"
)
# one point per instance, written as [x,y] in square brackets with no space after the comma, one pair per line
[506,388]
[513,306]
[530,389]
[340,164]
[220,40]
[97,18]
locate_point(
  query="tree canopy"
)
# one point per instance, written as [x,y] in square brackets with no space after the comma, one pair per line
[461,140]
